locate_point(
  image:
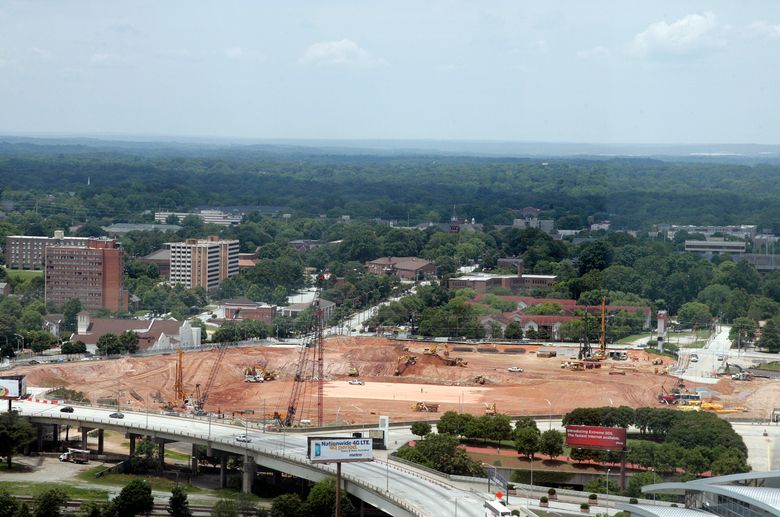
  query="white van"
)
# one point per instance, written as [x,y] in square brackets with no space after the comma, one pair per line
[496,509]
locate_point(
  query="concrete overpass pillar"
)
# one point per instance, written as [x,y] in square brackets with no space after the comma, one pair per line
[223,471]
[56,436]
[161,453]
[84,436]
[194,460]
[250,470]
[132,444]
[100,441]
[39,442]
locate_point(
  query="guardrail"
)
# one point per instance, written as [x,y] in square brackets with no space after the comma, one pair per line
[291,457]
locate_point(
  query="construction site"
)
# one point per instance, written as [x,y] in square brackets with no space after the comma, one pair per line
[405,380]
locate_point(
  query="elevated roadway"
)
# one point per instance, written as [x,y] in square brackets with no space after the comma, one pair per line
[394,489]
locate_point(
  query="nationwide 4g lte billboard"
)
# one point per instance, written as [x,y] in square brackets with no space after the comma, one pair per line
[591,437]
[335,450]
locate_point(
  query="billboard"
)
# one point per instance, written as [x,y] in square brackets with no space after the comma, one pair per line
[12,386]
[333,450]
[591,437]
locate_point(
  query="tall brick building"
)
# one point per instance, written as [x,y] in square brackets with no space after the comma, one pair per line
[92,272]
[203,263]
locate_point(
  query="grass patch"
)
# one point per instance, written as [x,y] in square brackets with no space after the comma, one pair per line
[633,337]
[23,274]
[15,467]
[774,366]
[33,489]
[178,456]
[112,479]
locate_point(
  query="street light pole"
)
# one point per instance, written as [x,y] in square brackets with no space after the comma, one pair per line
[608,471]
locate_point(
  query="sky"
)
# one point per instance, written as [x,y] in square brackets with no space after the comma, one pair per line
[531,71]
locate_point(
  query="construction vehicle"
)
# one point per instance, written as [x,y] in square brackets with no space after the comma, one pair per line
[454,361]
[667,398]
[425,407]
[490,409]
[742,376]
[479,379]
[403,362]
[251,374]
[431,351]
[353,372]
[658,362]
[75,456]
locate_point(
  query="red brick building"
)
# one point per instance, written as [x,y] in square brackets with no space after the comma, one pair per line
[245,309]
[93,273]
[409,268]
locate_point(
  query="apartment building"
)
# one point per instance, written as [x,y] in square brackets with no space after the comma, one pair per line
[203,262]
[29,252]
[92,272]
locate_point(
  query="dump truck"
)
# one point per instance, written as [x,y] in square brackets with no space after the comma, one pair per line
[425,407]
[75,456]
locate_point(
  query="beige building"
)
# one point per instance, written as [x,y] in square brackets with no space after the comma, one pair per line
[203,262]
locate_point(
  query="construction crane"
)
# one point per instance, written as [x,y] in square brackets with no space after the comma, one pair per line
[201,397]
[601,355]
[315,343]
[178,384]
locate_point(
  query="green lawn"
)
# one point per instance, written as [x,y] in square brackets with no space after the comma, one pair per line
[22,274]
[32,488]
[111,479]
[633,337]
[774,366]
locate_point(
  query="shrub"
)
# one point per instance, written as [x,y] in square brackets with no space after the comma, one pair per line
[584,506]
[592,497]
[551,491]
[633,500]
[543,499]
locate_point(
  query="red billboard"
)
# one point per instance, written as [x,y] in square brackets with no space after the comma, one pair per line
[590,437]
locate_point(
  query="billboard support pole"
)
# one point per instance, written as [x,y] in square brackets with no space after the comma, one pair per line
[338,489]
[623,455]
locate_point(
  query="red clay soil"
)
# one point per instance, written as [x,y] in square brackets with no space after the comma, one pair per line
[148,381]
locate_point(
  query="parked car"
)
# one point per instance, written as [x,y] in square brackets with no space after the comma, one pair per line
[116,415]
[243,438]
[515,369]
[67,409]
[356,382]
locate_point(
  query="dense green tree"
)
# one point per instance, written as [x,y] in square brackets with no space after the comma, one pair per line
[595,255]
[770,336]
[135,498]
[15,433]
[527,441]
[551,443]
[49,503]
[73,347]
[322,500]
[287,505]
[638,480]
[513,331]
[178,505]
[694,313]
[421,429]
[70,311]
[743,331]
[452,423]
[443,453]
[8,504]
[108,344]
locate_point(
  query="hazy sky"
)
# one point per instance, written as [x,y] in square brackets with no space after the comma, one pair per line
[580,71]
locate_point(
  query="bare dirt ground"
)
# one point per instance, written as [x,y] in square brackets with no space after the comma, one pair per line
[149,380]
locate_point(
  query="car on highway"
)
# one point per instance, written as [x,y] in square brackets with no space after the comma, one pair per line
[18,409]
[356,382]
[243,438]
[515,369]
[721,357]
[694,358]
[67,409]
[116,415]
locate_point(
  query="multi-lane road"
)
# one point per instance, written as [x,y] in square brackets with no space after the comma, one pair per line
[407,491]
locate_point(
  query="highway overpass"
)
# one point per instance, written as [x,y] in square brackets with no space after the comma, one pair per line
[392,488]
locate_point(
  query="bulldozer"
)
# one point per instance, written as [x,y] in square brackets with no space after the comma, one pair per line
[425,407]
[490,409]
[403,362]
[431,351]
[353,372]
